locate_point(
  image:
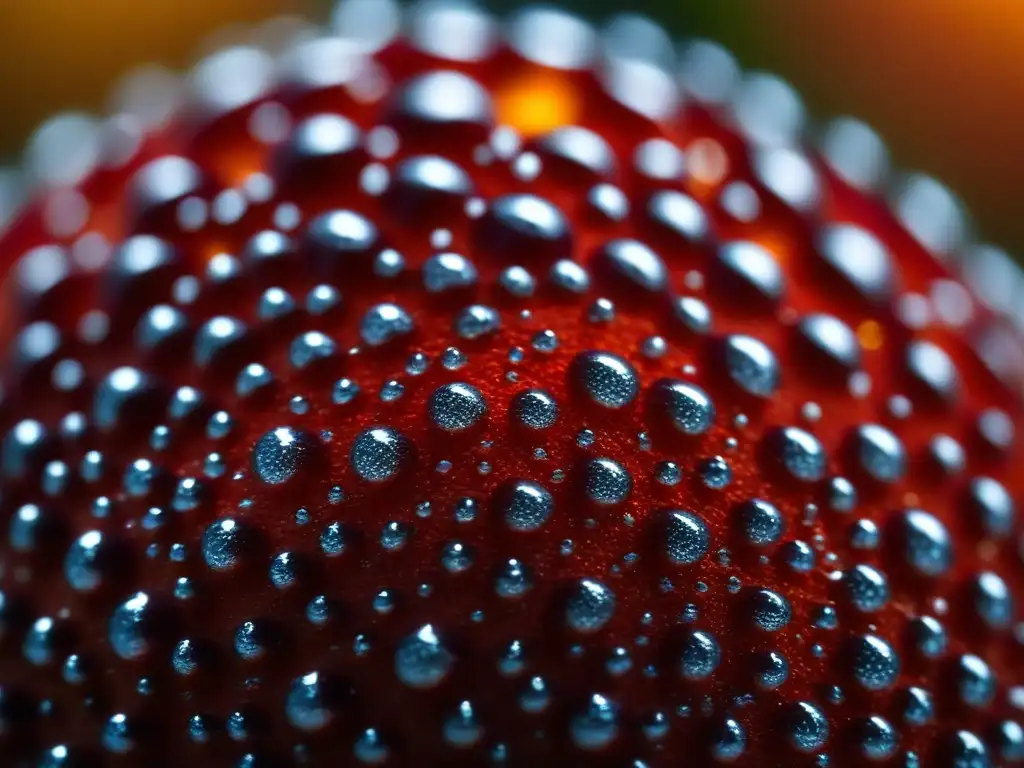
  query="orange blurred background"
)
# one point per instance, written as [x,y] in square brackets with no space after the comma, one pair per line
[941,80]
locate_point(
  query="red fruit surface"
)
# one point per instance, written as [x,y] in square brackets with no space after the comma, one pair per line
[500,393]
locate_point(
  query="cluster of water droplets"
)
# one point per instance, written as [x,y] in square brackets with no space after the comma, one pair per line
[461,409]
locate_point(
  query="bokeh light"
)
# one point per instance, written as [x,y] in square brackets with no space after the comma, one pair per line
[939,81]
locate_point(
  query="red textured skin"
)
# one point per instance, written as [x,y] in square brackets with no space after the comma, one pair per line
[411,720]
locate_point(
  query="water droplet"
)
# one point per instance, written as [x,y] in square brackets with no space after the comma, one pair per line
[525,505]
[130,625]
[686,537]
[590,606]
[607,379]
[607,482]
[687,406]
[456,407]
[700,656]
[280,454]
[379,453]
[875,664]
[597,725]
[421,659]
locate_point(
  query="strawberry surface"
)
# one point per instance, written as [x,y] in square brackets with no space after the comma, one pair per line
[500,393]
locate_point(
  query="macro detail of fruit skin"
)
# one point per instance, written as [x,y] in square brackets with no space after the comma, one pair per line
[502,393]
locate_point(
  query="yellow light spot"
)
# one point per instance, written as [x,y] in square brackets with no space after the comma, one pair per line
[536,102]
[870,335]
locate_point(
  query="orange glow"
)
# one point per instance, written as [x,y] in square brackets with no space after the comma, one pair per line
[707,162]
[536,102]
[67,54]
[870,335]
[928,75]
[234,167]
[777,243]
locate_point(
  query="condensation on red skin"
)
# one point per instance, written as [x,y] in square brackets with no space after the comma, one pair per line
[360,572]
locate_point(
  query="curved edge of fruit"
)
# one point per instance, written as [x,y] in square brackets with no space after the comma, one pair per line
[67,148]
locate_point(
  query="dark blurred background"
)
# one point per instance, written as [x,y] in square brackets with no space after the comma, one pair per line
[941,80]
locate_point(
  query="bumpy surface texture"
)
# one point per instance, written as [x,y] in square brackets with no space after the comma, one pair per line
[502,394]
